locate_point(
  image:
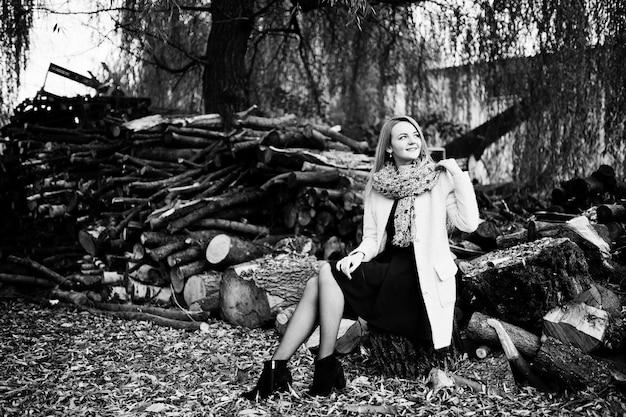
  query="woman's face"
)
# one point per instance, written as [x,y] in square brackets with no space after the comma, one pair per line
[405,145]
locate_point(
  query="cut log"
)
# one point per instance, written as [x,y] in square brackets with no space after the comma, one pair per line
[112,278]
[512,239]
[521,284]
[151,239]
[251,294]
[293,139]
[190,254]
[270,156]
[480,331]
[163,154]
[268,122]
[186,140]
[282,318]
[201,237]
[143,186]
[203,290]
[180,273]
[233,226]
[302,178]
[197,132]
[148,274]
[148,166]
[601,297]
[569,367]
[232,199]
[223,183]
[581,188]
[539,229]
[577,324]
[360,147]
[611,213]
[161,217]
[224,250]
[485,235]
[143,293]
[482,351]
[163,251]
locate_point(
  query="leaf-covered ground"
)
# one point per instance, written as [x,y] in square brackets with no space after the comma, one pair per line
[59,361]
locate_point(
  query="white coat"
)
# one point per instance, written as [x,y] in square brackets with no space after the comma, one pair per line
[452,197]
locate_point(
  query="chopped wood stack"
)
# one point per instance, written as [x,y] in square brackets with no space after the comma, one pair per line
[169,203]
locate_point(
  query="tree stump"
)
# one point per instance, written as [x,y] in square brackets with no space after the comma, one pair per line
[522,283]
[397,356]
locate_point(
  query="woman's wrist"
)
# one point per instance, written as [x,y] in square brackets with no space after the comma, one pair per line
[357,253]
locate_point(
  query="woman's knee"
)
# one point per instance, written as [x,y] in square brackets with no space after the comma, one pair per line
[326,274]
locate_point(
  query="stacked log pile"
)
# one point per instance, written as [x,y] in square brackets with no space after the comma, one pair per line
[156,213]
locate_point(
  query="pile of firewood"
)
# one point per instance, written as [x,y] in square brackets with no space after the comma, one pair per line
[161,203]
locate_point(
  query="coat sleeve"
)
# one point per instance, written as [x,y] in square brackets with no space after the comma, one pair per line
[461,205]
[369,244]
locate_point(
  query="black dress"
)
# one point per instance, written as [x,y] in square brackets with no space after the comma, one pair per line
[386,292]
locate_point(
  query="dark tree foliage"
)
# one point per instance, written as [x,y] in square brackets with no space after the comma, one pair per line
[565,60]
[15,23]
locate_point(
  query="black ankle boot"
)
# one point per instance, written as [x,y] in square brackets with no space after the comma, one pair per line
[274,377]
[328,375]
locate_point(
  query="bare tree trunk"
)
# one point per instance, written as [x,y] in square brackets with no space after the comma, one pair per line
[224,77]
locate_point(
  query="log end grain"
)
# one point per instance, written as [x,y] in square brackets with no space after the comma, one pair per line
[218,249]
[201,286]
[242,302]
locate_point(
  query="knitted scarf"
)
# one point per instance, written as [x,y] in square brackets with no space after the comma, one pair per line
[402,185]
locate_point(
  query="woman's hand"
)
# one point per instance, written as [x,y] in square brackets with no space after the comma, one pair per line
[450,165]
[350,263]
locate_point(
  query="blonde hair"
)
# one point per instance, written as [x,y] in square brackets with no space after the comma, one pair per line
[384,141]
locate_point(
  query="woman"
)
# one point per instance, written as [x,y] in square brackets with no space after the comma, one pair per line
[401,277]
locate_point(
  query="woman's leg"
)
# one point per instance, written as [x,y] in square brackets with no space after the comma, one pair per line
[328,373]
[331,304]
[302,322]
